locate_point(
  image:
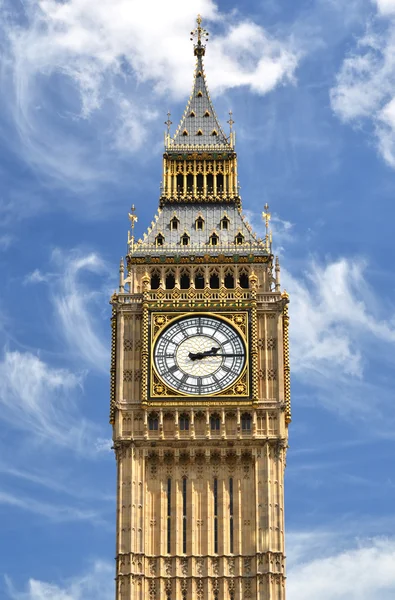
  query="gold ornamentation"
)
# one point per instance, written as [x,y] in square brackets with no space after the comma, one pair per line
[238,320]
[287,370]
[113,364]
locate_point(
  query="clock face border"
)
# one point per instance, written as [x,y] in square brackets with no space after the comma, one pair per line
[160,320]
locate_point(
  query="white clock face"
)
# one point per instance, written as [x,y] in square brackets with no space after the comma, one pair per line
[199,355]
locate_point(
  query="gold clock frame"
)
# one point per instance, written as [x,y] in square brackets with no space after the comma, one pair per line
[241,388]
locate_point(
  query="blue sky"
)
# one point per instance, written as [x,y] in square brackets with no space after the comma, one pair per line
[85,91]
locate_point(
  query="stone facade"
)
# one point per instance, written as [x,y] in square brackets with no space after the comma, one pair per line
[200,497]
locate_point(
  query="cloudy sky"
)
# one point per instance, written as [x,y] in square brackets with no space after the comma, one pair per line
[86,86]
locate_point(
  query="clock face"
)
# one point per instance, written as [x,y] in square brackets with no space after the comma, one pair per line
[199,355]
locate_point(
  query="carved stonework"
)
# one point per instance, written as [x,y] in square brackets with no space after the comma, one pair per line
[200,383]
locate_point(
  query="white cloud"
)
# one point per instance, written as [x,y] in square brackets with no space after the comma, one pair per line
[364,90]
[40,399]
[85,62]
[76,305]
[386,7]
[79,303]
[358,573]
[54,512]
[96,584]
[333,311]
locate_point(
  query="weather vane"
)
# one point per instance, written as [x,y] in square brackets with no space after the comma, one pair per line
[133,220]
[266,216]
[201,35]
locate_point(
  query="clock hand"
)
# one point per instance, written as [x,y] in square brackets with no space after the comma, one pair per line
[200,355]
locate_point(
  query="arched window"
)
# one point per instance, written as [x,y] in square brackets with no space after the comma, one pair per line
[243,280]
[214,239]
[199,224]
[200,132]
[185,281]
[180,182]
[246,422]
[229,280]
[225,223]
[185,240]
[199,182]
[184,423]
[153,422]
[199,94]
[220,182]
[159,239]
[170,281]
[199,280]
[189,182]
[206,114]
[215,423]
[185,133]
[239,239]
[214,281]
[192,114]
[174,223]
[214,132]
[210,182]
[155,280]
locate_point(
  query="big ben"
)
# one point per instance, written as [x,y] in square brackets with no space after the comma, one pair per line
[200,382]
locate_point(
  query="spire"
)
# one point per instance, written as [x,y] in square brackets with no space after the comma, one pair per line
[199,125]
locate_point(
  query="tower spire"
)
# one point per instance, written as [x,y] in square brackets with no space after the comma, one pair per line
[199,126]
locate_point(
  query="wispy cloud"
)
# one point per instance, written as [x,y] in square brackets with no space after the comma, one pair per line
[332,310]
[54,512]
[39,399]
[95,584]
[364,90]
[95,55]
[79,288]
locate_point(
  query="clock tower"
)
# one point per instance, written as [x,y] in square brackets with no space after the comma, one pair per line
[200,382]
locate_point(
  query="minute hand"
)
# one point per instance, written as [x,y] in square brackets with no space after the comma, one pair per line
[214,355]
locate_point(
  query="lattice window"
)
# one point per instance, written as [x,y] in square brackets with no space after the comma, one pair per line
[215,422]
[184,423]
[199,224]
[185,239]
[225,222]
[153,422]
[159,240]
[214,239]
[246,421]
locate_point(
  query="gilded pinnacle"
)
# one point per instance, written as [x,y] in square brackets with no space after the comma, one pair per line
[200,34]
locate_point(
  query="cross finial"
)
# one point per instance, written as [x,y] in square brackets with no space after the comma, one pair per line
[168,122]
[201,35]
[231,121]
[266,216]
[133,221]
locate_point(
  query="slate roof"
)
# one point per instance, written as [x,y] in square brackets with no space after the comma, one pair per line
[199,240]
[199,119]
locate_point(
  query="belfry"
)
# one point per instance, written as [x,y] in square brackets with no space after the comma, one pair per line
[200,382]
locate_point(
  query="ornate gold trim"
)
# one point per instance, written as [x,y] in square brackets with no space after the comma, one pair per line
[287,368]
[160,320]
[193,259]
[113,364]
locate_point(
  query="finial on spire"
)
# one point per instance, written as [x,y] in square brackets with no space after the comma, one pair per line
[133,221]
[231,121]
[168,122]
[266,216]
[202,35]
